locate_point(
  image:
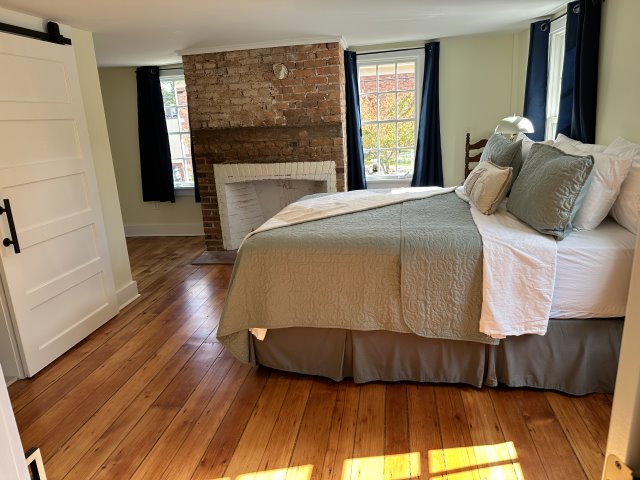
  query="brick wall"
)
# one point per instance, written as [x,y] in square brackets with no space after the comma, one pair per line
[241,113]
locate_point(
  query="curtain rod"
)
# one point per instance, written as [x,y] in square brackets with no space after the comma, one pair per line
[576,8]
[390,51]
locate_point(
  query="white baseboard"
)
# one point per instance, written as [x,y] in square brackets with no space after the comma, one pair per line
[127,294]
[165,230]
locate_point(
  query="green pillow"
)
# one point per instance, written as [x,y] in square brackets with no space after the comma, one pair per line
[548,192]
[503,152]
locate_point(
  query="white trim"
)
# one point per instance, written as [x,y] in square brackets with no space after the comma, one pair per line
[168,72]
[417,56]
[555,64]
[184,191]
[127,294]
[373,182]
[272,44]
[165,230]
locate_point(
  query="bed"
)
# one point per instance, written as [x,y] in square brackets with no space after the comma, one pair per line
[358,264]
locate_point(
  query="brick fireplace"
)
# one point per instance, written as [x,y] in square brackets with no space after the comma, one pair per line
[241,113]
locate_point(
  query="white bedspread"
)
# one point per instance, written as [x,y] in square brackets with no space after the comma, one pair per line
[519,270]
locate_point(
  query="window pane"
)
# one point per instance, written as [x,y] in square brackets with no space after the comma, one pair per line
[406,105]
[387,102]
[368,79]
[407,76]
[168,95]
[183,113]
[387,77]
[186,146]
[388,162]
[189,171]
[181,92]
[406,134]
[371,162]
[370,135]
[176,146]
[178,172]
[368,107]
[405,161]
[387,135]
[172,124]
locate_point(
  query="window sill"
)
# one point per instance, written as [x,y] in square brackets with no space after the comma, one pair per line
[184,191]
[376,182]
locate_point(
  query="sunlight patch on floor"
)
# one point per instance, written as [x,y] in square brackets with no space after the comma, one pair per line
[292,473]
[477,462]
[383,467]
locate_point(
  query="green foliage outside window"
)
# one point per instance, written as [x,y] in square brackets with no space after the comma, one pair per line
[388,113]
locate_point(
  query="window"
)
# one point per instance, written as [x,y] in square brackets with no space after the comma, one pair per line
[554,79]
[389,106]
[174,96]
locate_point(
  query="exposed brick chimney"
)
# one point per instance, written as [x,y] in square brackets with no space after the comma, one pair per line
[241,113]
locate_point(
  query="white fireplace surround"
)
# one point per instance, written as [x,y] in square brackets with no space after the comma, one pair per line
[241,190]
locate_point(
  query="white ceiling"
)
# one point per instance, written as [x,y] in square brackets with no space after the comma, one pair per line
[151,32]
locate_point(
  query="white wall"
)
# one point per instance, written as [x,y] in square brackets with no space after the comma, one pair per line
[619,72]
[184,217]
[482,80]
[126,288]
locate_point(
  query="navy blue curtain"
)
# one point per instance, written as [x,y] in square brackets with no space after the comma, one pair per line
[155,155]
[428,165]
[578,101]
[355,154]
[535,95]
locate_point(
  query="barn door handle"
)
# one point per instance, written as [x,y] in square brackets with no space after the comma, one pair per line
[7,242]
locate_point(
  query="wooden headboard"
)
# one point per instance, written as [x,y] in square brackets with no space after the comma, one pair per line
[476,149]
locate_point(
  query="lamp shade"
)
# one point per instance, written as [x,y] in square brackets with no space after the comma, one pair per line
[514,125]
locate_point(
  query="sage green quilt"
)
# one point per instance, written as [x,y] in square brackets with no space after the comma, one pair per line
[413,267]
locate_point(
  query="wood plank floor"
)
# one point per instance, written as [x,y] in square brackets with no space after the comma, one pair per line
[153,395]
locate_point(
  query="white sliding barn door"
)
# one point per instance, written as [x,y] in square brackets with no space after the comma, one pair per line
[60,285]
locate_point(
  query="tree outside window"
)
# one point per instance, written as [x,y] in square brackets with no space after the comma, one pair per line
[388,108]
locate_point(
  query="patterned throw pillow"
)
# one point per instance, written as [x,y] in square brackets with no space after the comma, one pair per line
[487,186]
[503,153]
[550,189]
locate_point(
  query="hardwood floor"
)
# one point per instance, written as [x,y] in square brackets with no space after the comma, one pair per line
[152,395]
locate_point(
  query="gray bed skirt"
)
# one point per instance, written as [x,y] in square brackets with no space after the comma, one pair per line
[575,356]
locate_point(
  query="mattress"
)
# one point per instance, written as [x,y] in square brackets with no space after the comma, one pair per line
[593,273]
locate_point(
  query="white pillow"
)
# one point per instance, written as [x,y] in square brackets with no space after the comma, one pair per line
[626,209]
[527,143]
[609,171]
[585,147]
[487,186]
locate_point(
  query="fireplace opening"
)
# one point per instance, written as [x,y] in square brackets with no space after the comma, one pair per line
[249,194]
